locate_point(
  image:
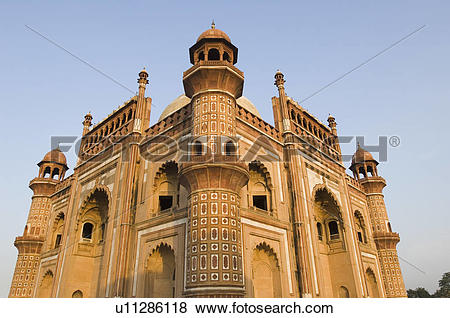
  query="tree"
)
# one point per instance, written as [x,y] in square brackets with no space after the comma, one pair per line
[444,286]
[419,292]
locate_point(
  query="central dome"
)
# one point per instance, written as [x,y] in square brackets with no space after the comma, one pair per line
[214,33]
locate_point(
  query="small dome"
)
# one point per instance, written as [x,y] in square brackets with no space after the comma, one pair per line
[213,33]
[177,104]
[55,156]
[361,156]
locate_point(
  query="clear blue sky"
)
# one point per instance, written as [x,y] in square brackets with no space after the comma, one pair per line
[405,92]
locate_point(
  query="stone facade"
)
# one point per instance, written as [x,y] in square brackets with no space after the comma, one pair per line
[211,201]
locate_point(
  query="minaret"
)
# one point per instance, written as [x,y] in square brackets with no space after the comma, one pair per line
[87,123]
[300,220]
[141,117]
[284,121]
[332,124]
[51,171]
[364,168]
[213,175]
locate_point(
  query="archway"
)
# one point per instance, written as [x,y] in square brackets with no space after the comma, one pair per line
[77,294]
[45,289]
[94,216]
[260,187]
[58,229]
[343,292]
[160,273]
[372,284]
[360,227]
[165,186]
[265,272]
[328,213]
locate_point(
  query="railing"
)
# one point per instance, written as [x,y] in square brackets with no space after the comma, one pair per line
[170,121]
[258,123]
[322,145]
[65,183]
[353,182]
[109,131]
[213,63]
[313,131]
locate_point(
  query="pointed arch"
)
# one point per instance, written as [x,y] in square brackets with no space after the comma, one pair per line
[260,186]
[360,227]
[257,165]
[167,167]
[343,292]
[323,189]
[265,273]
[57,230]
[94,210]
[77,294]
[98,188]
[166,186]
[45,286]
[160,274]
[372,285]
[327,211]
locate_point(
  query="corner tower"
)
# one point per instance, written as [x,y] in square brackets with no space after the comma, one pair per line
[213,175]
[51,171]
[364,168]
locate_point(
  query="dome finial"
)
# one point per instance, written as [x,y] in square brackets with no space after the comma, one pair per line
[213,25]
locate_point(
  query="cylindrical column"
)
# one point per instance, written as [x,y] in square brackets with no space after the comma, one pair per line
[214,180]
[385,240]
[214,247]
[29,245]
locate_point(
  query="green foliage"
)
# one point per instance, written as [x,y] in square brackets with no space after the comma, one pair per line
[442,292]
[419,292]
[444,287]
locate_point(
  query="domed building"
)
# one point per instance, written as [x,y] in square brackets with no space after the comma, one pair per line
[211,201]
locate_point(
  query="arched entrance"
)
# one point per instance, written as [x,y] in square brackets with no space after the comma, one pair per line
[160,273]
[45,289]
[372,284]
[265,273]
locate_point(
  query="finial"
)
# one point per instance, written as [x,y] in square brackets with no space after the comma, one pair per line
[213,25]
[143,71]
[143,77]
[279,78]
[330,119]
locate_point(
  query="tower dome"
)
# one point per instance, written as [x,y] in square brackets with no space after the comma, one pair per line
[361,155]
[363,164]
[214,33]
[53,165]
[213,45]
[55,156]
